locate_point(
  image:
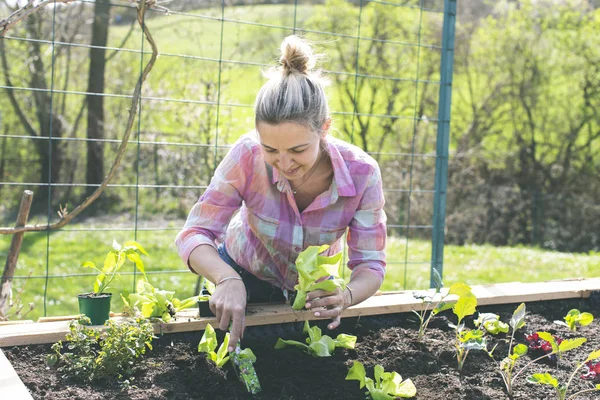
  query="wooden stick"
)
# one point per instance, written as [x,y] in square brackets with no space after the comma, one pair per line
[13,253]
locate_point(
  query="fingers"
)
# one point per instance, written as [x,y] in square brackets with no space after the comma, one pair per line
[320,298]
[335,322]
[238,324]
[326,305]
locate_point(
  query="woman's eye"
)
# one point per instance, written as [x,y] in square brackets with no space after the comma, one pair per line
[298,151]
[270,150]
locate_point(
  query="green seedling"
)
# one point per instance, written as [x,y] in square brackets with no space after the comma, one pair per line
[208,345]
[386,386]
[114,261]
[561,390]
[466,340]
[576,318]
[436,302]
[507,365]
[314,271]
[319,345]
[156,303]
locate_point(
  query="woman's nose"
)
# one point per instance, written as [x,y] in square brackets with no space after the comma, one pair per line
[285,162]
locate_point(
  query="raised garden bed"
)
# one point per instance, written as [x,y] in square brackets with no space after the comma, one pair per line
[175,370]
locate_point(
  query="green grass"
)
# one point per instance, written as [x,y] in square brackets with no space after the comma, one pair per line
[68,249]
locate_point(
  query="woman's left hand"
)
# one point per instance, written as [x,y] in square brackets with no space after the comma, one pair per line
[328,304]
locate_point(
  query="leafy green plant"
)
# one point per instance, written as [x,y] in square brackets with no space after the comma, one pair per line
[319,345]
[386,386]
[575,318]
[507,365]
[156,303]
[91,354]
[490,323]
[466,340]
[561,390]
[314,271]
[114,261]
[208,344]
[436,301]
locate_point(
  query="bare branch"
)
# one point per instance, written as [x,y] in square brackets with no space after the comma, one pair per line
[23,13]
[132,114]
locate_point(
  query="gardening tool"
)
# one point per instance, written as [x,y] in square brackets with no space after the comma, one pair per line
[244,370]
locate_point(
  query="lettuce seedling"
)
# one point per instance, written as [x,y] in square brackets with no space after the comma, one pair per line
[156,303]
[466,340]
[491,323]
[561,390]
[319,345]
[437,300]
[208,344]
[386,386]
[575,318]
[313,271]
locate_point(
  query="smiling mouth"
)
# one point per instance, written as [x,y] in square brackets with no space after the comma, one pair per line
[292,171]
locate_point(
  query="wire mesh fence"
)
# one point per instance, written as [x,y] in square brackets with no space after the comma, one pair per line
[383,58]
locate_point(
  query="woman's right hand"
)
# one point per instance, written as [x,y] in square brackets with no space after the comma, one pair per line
[228,303]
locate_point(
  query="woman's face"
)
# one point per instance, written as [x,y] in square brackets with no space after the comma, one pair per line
[291,148]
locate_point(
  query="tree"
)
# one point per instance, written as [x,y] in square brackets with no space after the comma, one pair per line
[95,104]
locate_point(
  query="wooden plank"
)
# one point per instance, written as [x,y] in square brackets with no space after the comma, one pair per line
[11,386]
[264,314]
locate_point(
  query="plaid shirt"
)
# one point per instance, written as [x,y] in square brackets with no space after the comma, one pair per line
[267,234]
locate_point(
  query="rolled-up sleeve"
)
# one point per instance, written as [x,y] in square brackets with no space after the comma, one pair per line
[208,220]
[367,231]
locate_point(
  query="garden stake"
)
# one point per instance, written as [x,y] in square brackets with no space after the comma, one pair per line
[244,370]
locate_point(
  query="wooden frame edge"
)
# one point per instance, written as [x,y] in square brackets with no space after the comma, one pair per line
[11,386]
[264,314]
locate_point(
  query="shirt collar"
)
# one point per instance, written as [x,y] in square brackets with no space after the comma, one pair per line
[341,174]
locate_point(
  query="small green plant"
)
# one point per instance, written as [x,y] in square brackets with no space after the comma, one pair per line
[575,318]
[436,301]
[466,340]
[507,365]
[314,271]
[156,303]
[319,345]
[490,323]
[561,390]
[114,261]
[208,344]
[91,354]
[386,386]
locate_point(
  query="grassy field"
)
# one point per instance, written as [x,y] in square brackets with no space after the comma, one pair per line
[60,255]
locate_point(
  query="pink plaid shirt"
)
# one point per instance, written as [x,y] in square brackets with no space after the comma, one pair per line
[268,232]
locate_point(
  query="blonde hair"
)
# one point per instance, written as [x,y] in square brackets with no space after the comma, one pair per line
[294,92]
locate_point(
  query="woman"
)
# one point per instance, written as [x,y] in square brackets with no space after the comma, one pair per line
[294,187]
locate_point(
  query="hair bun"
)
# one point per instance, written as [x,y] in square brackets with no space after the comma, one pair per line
[296,56]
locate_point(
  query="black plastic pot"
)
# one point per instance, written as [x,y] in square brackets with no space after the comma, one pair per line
[95,306]
[203,308]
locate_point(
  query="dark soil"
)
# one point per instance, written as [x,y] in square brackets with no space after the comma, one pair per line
[175,370]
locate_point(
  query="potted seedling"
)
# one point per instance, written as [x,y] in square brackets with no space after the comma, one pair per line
[96,304]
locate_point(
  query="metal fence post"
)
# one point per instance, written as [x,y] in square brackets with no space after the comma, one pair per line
[442,142]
